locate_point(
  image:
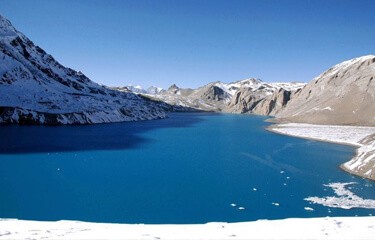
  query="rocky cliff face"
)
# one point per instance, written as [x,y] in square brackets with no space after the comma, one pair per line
[36,89]
[342,95]
[275,103]
[245,96]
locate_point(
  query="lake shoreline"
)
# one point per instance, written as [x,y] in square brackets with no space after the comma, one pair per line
[363,138]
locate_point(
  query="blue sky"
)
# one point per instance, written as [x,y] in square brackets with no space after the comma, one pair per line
[192,42]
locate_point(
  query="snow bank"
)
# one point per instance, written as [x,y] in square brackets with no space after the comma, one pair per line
[363,164]
[308,228]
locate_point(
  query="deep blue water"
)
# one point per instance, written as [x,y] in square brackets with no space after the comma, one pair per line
[188,168]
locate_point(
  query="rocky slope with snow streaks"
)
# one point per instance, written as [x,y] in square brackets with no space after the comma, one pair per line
[245,96]
[36,89]
[342,95]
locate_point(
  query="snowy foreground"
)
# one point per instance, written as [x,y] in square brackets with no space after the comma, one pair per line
[362,164]
[303,228]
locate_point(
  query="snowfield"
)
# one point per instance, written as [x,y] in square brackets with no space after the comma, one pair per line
[303,228]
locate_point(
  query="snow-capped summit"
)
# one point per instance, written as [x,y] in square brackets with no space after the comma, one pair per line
[140,90]
[136,89]
[6,28]
[155,90]
[232,87]
[36,89]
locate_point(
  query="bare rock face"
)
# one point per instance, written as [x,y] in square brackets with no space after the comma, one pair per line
[173,89]
[273,104]
[343,95]
[213,93]
[245,100]
[260,102]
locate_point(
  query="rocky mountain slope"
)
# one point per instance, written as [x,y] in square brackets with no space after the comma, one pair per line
[342,95]
[245,96]
[36,89]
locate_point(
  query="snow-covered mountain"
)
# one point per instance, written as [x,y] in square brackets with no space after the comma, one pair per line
[36,89]
[136,89]
[140,90]
[245,96]
[155,90]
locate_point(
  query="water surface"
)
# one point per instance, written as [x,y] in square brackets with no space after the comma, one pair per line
[188,168]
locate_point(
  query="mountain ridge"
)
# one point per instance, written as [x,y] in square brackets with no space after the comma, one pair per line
[341,95]
[250,95]
[36,89]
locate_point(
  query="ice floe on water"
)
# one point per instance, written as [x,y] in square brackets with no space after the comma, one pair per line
[344,198]
[308,209]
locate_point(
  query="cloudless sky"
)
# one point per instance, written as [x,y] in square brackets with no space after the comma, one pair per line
[193,42]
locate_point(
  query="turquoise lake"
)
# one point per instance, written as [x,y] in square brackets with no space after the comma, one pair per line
[188,168]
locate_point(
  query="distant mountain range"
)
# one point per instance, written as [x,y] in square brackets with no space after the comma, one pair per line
[245,96]
[36,89]
[342,95]
[139,89]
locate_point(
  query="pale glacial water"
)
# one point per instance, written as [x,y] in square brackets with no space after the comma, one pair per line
[188,168]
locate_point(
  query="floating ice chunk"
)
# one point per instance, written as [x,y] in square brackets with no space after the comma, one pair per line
[308,209]
[276,204]
[345,199]
[241,208]
[254,189]
[282,172]
[233,204]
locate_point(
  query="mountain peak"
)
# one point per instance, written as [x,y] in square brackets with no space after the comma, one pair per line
[6,28]
[343,66]
[57,94]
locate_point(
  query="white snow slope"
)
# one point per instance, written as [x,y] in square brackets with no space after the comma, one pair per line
[36,89]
